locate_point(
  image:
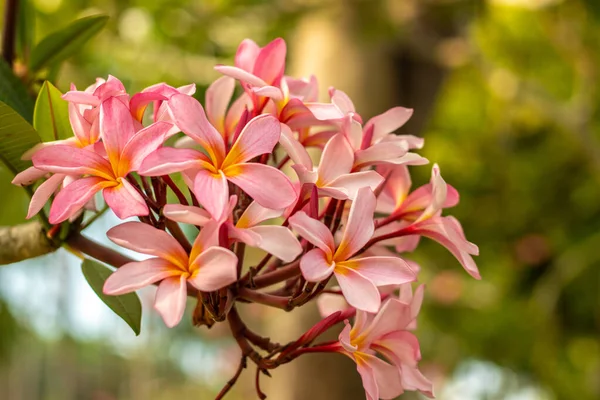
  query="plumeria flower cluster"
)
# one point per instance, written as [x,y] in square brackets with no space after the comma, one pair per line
[236,174]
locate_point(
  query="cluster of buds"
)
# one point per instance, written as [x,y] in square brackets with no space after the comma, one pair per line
[243,162]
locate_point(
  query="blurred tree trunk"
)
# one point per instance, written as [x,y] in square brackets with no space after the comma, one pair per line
[377,74]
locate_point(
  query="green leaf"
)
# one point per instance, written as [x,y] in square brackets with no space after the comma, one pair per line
[14,93]
[62,44]
[126,306]
[51,114]
[16,137]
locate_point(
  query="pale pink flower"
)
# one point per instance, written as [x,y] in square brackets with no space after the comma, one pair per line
[158,95]
[420,215]
[357,277]
[265,184]
[260,71]
[207,268]
[125,149]
[274,239]
[386,334]
[334,176]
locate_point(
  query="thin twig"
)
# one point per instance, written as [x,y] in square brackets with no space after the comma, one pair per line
[232,381]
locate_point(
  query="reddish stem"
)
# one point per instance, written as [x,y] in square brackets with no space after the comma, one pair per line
[173,186]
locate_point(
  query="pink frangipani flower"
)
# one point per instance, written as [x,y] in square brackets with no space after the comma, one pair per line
[421,214]
[333,177]
[207,268]
[358,277]
[265,184]
[274,239]
[125,149]
[385,333]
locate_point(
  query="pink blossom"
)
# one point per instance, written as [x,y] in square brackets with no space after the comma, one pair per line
[421,216]
[265,184]
[386,334]
[334,176]
[125,149]
[207,268]
[357,277]
[276,240]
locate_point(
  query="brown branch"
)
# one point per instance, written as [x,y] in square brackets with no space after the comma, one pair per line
[21,242]
[9,32]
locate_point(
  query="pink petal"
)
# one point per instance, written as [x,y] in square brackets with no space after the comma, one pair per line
[212,192]
[444,232]
[344,337]
[380,153]
[252,239]
[189,116]
[329,303]
[389,121]
[358,290]
[278,241]
[186,214]
[386,376]
[270,62]
[398,181]
[138,274]
[255,214]
[235,111]
[315,267]
[125,201]
[408,159]
[218,96]
[400,347]
[293,148]
[141,145]
[246,54]
[241,75]
[413,379]
[350,184]
[368,378]
[140,101]
[146,239]
[258,137]
[342,101]
[81,127]
[71,160]
[168,160]
[73,197]
[353,131]
[360,226]
[325,111]
[313,230]
[266,185]
[336,160]
[383,270]
[271,92]
[393,316]
[214,269]
[413,142]
[78,97]
[170,300]
[43,192]
[208,237]
[116,127]
[28,176]
[439,190]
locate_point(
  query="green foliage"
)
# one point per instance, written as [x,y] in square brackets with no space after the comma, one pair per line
[16,137]
[126,306]
[51,114]
[62,44]
[14,93]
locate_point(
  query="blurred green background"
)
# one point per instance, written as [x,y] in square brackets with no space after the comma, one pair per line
[506,95]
